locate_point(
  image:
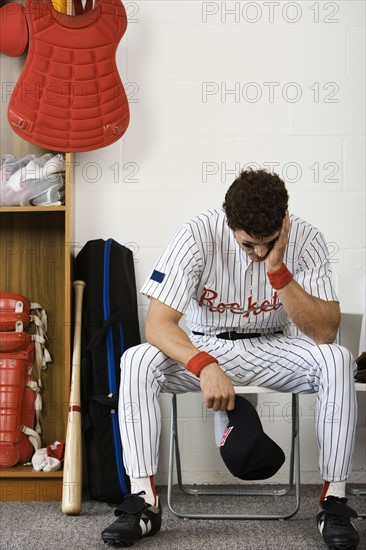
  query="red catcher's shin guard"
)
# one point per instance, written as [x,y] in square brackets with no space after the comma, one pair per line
[14,446]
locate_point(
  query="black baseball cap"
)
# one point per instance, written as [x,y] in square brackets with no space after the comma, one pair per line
[247,451]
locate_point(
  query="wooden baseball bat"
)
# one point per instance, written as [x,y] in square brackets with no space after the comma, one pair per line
[72,478]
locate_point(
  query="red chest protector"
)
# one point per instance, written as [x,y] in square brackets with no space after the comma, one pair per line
[69,96]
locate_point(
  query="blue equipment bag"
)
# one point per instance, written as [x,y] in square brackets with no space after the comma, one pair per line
[110,326]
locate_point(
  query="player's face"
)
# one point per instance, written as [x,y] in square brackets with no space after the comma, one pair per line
[257,249]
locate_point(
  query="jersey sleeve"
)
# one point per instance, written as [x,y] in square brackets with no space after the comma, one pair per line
[176,274]
[315,274]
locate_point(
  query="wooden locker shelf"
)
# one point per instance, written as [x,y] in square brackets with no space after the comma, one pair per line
[36,251]
[35,260]
[33,209]
[22,483]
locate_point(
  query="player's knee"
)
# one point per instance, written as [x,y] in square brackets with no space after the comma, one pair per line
[347,360]
[339,360]
[139,358]
[127,358]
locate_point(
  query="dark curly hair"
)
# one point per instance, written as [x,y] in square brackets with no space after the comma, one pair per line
[256,203]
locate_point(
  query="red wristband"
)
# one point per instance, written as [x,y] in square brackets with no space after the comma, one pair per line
[199,361]
[279,277]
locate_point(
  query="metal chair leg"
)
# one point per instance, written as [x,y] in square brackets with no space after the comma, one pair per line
[294,475]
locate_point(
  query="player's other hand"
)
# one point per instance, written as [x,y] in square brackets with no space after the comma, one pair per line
[217,388]
[274,259]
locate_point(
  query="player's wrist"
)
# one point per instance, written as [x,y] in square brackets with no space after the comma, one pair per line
[280,277]
[199,362]
[274,267]
[207,370]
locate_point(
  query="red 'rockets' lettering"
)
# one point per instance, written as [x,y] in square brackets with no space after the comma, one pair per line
[209,296]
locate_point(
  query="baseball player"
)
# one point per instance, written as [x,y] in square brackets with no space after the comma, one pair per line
[242,276]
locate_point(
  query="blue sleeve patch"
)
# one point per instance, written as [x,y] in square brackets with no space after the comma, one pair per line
[157,276]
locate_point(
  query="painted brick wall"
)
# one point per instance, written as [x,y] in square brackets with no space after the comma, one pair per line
[213,87]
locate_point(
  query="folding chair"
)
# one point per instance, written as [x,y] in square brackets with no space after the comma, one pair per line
[294,469]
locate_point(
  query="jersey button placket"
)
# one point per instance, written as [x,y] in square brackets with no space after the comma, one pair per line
[250,278]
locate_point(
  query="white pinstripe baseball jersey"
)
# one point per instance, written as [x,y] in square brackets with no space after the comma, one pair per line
[204,274]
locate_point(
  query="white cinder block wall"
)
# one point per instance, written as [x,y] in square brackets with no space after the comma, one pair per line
[213,87]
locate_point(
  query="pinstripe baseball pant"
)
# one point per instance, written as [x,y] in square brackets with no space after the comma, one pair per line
[295,365]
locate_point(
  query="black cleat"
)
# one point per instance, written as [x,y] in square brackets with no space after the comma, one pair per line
[135,519]
[335,525]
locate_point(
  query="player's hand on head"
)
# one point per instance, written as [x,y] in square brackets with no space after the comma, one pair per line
[218,390]
[274,260]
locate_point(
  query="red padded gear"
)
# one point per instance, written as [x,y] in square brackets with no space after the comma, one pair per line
[69,96]
[15,403]
[10,313]
[13,375]
[13,30]
[14,341]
